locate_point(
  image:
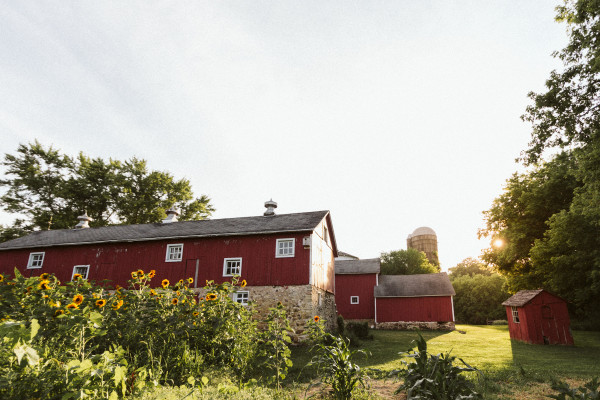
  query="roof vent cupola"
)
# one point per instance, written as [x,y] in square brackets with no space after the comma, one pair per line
[172,214]
[84,221]
[270,206]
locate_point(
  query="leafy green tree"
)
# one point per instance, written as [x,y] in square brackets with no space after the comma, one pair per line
[48,190]
[406,262]
[479,298]
[470,267]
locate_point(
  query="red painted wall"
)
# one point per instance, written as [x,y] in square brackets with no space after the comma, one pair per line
[360,285]
[544,320]
[115,261]
[422,309]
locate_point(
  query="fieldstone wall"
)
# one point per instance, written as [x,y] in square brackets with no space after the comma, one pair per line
[403,326]
[301,303]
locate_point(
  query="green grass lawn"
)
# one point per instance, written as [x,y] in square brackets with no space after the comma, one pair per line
[506,363]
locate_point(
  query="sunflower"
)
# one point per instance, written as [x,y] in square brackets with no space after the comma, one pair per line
[165,283]
[76,276]
[140,274]
[243,283]
[180,282]
[58,312]
[100,303]
[117,304]
[211,296]
[174,301]
[317,318]
[44,276]
[78,299]
[118,288]
[178,293]
[151,274]
[190,281]
[195,313]
[152,292]
[1,278]
[72,305]
[134,275]
[43,285]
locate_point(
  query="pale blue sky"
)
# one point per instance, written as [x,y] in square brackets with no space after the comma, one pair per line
[390,114]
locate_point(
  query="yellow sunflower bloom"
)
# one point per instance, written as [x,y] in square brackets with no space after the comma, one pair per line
[152,292]
[317,318]
[43,285]
[58,312]
[174,301]
[243,283]
[133,275]
[45,275]
[72,305]
[76,276]
[178,293]
[165,283]
[78,299]
[190,281]
[100,303]
[180,282]
[211,296]
[151,274]
[1,278]
[195,313]
[117,304]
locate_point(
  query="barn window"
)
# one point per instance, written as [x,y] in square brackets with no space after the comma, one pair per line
[174,252]
[353,299]
[241,297]
[515,314]
[285,248]
[35,260]
[81,270]
[232,266]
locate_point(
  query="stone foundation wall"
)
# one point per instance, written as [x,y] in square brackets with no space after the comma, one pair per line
[301,303]
[403,326]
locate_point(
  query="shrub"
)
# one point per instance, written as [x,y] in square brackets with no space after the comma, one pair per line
[360,329]
[589,391]
[435,377]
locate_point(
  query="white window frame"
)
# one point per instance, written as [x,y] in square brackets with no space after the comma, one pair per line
[278,249]
[87,271]
[242,297]
[352,299]
[515,314]
[31,261]
[168,254]
[232,259]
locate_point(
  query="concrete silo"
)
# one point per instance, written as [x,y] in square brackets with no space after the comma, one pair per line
[424,239]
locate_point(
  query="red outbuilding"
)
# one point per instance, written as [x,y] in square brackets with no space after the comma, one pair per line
[355,281]
[418,298]
[538,316]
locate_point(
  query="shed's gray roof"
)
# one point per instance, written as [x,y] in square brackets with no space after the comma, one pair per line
[414,285]
[176,230]
[368,266]
[521,298]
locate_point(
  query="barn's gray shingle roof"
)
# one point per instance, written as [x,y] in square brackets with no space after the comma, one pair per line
[414,285]
[298,222]
[367,266]
[521,298]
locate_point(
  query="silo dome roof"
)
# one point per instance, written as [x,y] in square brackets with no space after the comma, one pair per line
[424,230]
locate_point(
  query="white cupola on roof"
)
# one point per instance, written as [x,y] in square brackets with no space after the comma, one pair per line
[172,214]
[271,206]
[84,221]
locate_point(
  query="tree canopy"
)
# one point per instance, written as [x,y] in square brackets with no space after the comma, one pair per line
[406,262]
[549,218]
[470,267]
[46,189]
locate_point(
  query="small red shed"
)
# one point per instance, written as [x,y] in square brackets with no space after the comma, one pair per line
[418,298]
[354,283]
[539,317]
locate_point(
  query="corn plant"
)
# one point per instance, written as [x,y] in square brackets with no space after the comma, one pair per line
[435,376]
[589,391]
[338,368]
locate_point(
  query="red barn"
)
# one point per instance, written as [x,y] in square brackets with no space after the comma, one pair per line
[537,316]
[414,298]
[287,257]
[355,281]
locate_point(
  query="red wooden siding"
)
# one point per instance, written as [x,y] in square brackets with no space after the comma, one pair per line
[422,309]
[360,285]
[115,261]
[545,319]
